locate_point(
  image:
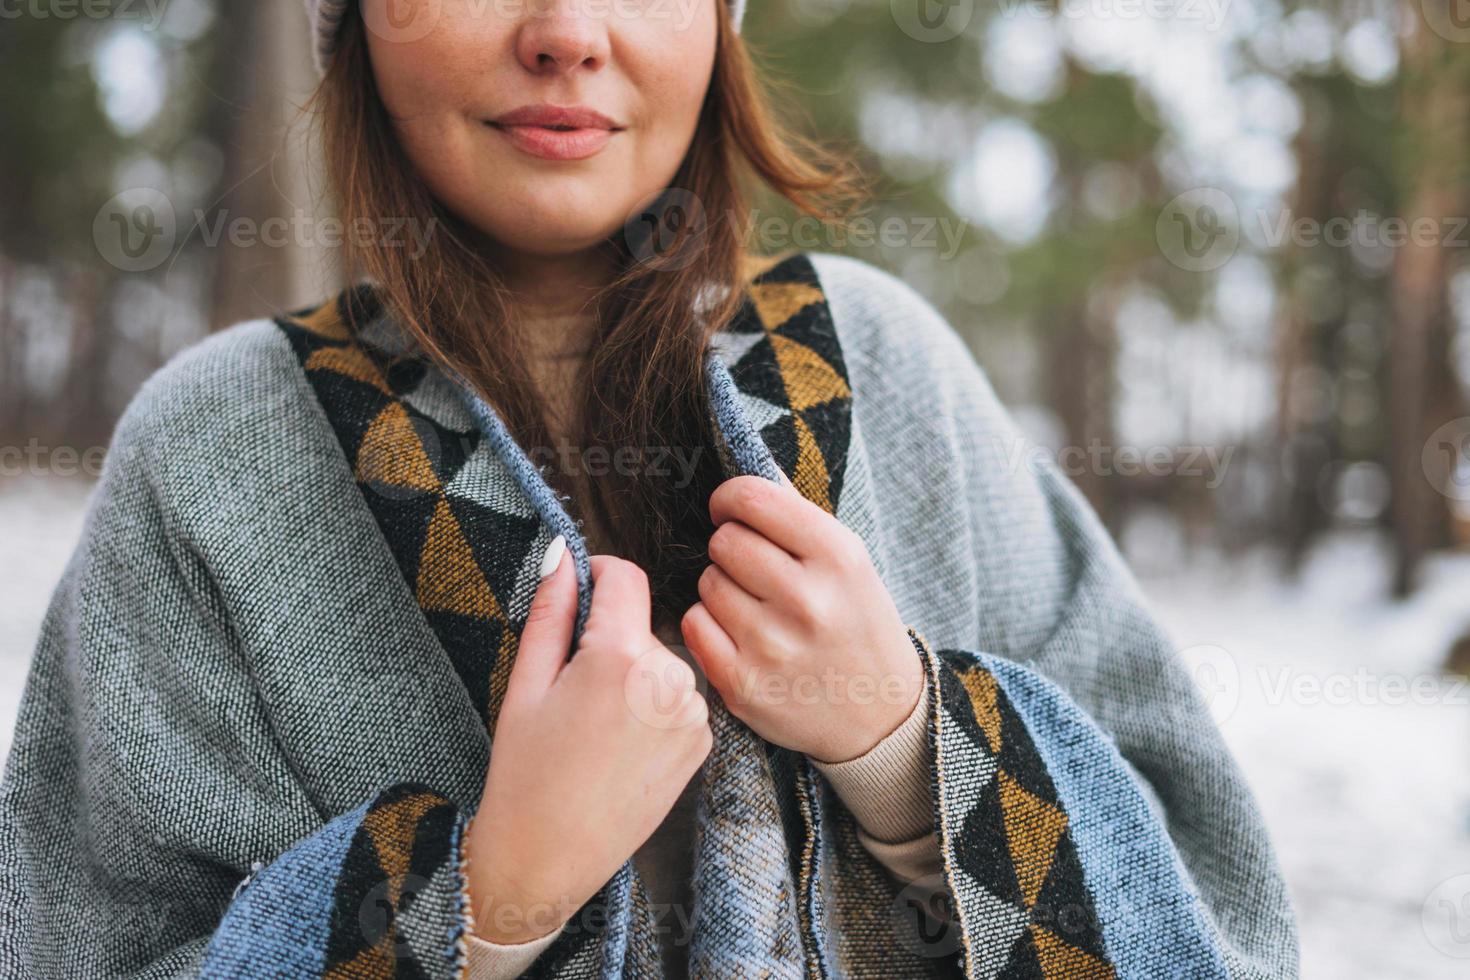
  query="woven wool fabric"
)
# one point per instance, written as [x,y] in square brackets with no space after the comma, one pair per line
[259,713]
[326,18]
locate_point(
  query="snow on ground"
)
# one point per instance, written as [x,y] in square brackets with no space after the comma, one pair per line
[1358,750]
[40,524]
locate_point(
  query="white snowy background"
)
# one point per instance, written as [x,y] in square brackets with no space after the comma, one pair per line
[1358,749]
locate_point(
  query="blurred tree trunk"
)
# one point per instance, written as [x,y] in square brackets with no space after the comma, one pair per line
[262,73]
[1424,392]
[1307,436]
[12,355]
[1081,358]
[84,413]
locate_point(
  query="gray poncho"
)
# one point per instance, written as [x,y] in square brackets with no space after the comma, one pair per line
[260,710]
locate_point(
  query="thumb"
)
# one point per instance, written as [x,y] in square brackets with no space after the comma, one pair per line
[547,636]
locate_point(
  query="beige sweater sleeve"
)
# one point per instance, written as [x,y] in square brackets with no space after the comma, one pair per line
[497,961]
[887,790]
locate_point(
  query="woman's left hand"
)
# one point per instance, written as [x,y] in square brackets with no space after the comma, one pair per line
[795,629]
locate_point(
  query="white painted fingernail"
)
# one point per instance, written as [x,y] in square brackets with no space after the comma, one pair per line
[552,558]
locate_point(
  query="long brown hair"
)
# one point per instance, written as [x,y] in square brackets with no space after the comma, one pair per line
[679,281]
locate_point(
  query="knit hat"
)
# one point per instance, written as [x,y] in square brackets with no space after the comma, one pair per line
[326,19]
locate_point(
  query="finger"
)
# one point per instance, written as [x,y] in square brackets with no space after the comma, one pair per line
[783,515]
[757,565]
[620,595]
[711,647]
[546,638]
[737,611]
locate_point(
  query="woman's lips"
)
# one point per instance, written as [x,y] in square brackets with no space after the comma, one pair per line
[552,143]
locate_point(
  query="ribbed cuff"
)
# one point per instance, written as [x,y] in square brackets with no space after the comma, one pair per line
[887,788]
[501,961]
[497,961]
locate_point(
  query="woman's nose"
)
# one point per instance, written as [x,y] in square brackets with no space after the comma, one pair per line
[558,36]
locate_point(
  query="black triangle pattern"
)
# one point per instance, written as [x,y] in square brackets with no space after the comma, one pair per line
[405,837]
[982,845]
[786,303]
[359,387]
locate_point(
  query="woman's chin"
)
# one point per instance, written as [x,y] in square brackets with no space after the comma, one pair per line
[549,216]
[547,234]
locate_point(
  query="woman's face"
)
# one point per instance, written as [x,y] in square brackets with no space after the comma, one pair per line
[450,72]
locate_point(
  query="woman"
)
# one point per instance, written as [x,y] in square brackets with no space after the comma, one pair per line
[862,696]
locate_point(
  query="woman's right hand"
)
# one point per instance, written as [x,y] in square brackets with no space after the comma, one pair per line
[589,754]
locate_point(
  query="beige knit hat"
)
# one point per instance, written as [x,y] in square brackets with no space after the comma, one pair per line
[326,18]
